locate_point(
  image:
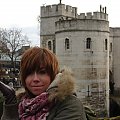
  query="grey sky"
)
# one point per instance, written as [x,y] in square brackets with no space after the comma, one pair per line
[23,13]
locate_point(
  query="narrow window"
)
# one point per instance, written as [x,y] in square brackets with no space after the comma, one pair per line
[67,44]
[88,43]
[110,47]
[53,46]
[56,7]
[49,45]
[106,44]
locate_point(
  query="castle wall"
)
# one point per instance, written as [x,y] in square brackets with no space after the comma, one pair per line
[90,66]
[115,36]
[48,26]
[51,14]
[111,50]
[45,39]
[81,25]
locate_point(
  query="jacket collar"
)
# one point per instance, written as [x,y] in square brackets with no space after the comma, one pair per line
[62,86]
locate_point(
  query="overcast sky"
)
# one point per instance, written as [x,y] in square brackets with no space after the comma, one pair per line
[23,13]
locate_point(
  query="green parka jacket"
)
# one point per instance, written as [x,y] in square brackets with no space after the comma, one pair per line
[67,106]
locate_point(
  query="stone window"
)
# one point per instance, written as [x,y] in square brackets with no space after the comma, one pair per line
[49,45]
[110,47]
[88,43]
[67,43]
[54,46]
[56,7]
[106,42]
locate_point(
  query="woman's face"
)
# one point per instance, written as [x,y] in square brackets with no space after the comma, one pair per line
[37,83]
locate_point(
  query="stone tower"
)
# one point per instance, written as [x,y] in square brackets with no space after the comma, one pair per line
[49,15]
[82,43]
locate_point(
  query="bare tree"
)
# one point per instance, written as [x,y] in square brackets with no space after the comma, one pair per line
[14,40]
[3,46]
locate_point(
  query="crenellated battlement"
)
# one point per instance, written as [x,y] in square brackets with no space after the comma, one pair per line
[59,9]
[94,15]
[69,11]
[102,15]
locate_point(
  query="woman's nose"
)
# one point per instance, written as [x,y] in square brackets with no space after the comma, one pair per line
[36,77]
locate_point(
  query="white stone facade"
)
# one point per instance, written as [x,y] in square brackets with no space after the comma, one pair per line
[115,59]
[85,43]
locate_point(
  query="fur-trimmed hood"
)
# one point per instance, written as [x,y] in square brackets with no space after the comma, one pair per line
[62,86]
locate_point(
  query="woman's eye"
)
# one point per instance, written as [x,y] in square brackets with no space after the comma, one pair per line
[42,72]
[32,73]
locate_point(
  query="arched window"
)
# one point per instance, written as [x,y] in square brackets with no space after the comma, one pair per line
[49,45]
[67,43]
[88,43]
[106,44]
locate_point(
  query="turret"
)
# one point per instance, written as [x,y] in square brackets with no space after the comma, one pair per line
[102,15]
[57,10]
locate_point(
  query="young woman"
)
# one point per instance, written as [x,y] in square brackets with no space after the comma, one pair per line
[49,94]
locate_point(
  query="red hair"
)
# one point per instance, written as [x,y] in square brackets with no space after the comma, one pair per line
[36,58]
